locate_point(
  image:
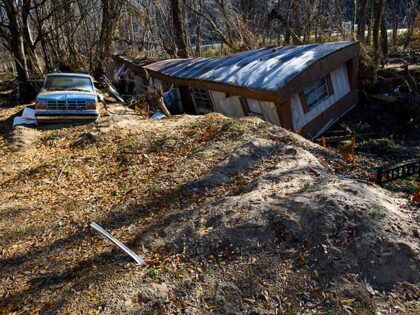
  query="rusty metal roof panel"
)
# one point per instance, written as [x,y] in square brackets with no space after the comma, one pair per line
[266,69]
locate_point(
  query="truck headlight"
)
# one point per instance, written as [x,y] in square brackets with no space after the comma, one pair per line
[40,104]
[91,105]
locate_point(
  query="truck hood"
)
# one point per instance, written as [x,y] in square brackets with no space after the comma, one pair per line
[67,96]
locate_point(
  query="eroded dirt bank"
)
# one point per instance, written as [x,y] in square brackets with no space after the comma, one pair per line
[232,216]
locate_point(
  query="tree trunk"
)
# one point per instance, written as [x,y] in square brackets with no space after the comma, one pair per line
[17,44]
[378,6]
[198,31]
[411,16]
[198,38]
[33,61]
[178,19]
[111,11]
[361,15]
[296,23]
[384,41]
[370,22]
[274,15]
[394,25]
[353,17]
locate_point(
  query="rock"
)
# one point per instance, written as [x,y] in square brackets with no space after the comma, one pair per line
[154,293]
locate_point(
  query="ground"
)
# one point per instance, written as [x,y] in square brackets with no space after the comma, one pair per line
[387,123]
[231,215]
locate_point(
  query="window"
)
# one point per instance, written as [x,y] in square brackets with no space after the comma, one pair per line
[202,101]
[68,83]
[314,95]
[251,108]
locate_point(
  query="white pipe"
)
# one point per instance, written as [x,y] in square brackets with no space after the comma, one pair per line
[116,242]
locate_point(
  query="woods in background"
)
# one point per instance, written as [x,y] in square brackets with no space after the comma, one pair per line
[39,36]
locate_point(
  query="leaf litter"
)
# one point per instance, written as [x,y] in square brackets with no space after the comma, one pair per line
[212,228]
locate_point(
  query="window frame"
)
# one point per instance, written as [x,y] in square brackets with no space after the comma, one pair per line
[58,76]
[330,91]
[200,109]
[247,111]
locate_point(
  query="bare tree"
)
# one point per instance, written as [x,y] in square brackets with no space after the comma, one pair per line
[413,8]
[111,10]
[378,12]
[46,35]
[361,16]
[14,41]
[178,20]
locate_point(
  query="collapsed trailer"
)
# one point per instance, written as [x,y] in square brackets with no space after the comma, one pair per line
[304,88]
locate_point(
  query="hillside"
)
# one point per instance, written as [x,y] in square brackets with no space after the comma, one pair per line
[232,216]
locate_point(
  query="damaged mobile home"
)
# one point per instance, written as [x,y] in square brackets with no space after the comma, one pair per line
[301,88]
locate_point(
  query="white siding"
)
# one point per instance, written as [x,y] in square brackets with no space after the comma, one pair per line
[228,106]
[254,106]
[270,113]
[231,107]
[341,86]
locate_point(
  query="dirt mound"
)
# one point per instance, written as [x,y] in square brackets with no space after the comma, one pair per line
[344,226]
[247,156]
[231,215]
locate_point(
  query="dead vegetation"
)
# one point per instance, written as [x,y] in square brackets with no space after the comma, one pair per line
[231,216]
[228,215]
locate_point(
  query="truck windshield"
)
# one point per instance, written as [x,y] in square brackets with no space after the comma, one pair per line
[68,83]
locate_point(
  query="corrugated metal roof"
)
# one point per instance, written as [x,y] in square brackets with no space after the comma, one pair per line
[267,69]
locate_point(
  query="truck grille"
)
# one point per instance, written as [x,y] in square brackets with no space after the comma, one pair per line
[70,105]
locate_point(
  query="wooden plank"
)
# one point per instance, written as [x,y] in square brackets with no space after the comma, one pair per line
[284,111]
[338,139]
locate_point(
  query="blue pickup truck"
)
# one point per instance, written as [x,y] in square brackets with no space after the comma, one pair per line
[67,97]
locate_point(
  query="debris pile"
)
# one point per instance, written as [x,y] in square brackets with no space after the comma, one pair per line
[27,118]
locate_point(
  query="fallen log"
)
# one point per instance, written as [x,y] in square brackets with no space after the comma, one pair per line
[338,139]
